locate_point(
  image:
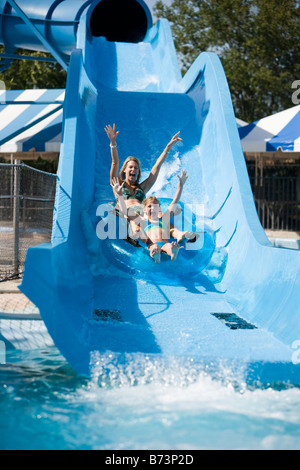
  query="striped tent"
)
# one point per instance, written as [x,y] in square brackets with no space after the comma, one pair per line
[279,131]
[240,123]
[31,119]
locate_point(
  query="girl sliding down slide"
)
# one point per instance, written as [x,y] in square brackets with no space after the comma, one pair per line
[155,227]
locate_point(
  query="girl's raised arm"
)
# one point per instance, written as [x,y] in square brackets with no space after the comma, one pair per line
[172,207]
[128,212]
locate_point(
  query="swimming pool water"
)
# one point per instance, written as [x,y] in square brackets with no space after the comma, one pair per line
[140,403]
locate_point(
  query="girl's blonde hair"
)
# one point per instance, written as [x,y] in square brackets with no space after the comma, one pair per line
[130,159]
[150,198]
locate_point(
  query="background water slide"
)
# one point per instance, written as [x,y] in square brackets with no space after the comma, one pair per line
[236,299]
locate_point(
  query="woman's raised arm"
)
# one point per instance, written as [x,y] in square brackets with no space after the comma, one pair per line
[112,135]
[149,182]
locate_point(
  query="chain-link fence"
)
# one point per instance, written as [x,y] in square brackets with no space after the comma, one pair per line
[27,200]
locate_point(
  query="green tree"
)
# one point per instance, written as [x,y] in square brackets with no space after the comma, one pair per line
[257,41]
[27,74]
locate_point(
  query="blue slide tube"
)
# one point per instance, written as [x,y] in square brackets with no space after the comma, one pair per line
[57,21]
[234,300]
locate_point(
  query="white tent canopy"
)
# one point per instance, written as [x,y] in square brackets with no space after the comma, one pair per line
[278,131]
[31,119]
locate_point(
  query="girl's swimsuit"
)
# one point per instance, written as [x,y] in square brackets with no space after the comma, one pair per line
[159,224]
[156,225]
[160,244]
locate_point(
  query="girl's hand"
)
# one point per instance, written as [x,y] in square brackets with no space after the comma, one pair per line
[183,177]
[111,133]
[174,141]
[117,187]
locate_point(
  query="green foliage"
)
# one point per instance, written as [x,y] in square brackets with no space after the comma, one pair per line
[27,74]
[49,166]
[257,41]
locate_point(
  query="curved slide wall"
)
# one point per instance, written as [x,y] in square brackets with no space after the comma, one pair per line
[243,306]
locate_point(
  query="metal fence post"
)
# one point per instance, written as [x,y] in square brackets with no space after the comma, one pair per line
[16,217]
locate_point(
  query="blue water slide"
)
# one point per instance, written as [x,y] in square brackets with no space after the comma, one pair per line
[231,299]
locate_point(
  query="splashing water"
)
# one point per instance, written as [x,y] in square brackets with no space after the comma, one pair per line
[138,402]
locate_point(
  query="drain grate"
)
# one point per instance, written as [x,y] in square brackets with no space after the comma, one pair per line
[107,315]
[233,321]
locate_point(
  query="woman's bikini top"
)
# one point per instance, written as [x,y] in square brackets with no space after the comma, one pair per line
[139,194]
[159,224]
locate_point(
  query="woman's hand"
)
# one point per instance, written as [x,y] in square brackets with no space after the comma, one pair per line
[173,141]
[183,177]
[117,187]
[111,133]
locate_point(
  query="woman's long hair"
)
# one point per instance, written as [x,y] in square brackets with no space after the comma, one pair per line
[130,159]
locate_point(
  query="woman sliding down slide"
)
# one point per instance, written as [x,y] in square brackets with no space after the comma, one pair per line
[134,192]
